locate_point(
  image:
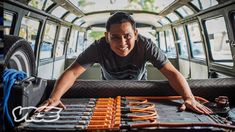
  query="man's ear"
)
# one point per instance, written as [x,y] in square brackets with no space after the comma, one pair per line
[136,33]
[106,37]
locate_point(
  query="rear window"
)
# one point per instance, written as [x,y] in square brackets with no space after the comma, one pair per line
[8,21]
[181,42]
[61,42]
[46,48]
[167,44]
[72,47]
[217,37]
[29,30]
[195,40]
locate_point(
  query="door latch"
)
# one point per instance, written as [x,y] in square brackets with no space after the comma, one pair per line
[232,42]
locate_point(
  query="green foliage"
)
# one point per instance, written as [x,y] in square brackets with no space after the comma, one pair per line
[145,5]
[148,5]
[82,3]
[34,3]
[95,35]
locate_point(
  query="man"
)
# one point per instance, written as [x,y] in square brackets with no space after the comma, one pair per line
[122,54]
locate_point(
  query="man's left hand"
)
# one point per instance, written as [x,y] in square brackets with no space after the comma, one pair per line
[195,106]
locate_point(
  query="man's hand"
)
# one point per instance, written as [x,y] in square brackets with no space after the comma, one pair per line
[49,104]
[195,106]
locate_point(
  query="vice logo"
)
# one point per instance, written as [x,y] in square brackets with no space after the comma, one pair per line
[50,116]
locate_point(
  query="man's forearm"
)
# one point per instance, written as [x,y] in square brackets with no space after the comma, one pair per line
[66,80]
[180,85]
[177,81]
[62,85]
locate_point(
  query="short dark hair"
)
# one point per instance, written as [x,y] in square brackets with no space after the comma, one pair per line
[120,17]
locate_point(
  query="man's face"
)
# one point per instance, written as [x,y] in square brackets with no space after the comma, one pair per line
[121,38]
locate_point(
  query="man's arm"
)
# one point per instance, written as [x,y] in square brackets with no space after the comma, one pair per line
[64,82]
[180,85]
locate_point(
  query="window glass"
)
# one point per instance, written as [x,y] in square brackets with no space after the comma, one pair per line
[162,41]
[204,4]
[93,35]
[70,17]
[81,45]
[173,17]
[164,21]
[37,3]
[88,6]
[71,52]
[79,22]
[196,41]
[8,20]
[147,32]
[29,30]
[181,42]
[46,49]
[220,50]
[184,11]
[90,38]
[48,3]
[59,11]
[61,42]
[170,49]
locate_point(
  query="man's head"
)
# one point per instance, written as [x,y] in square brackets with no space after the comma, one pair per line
[121,33]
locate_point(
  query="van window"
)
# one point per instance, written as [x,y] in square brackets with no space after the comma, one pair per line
[46,49]
[164,21]
[167,43]
[59,11]
[148,33]
[48,4]
[204,4]
[184,11]
[173,17]
[92,36]
[71,52]
[70,17]
[8,20]
[162,41]
[195,40]
[220,50]
[29,30]
[61,42]
[81,46]
[37,4]
[181,42]
[170,50]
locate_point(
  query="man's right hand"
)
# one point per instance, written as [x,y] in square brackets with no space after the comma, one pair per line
[49,104]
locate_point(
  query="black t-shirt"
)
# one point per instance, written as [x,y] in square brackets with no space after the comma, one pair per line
[130,67]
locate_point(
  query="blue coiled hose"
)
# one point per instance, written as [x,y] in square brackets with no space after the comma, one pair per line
[9,78]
